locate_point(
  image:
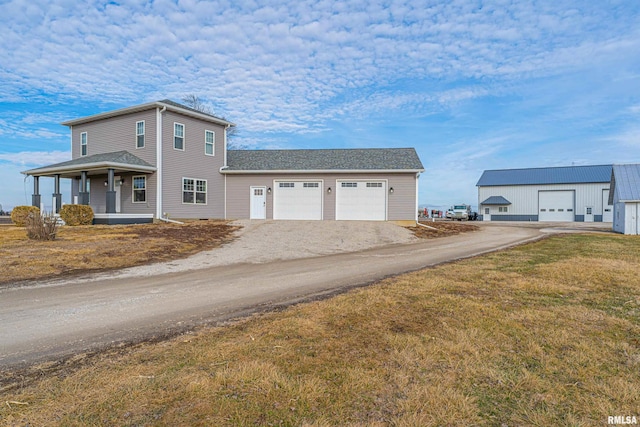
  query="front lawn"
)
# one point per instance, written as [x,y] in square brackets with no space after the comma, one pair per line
[545,334]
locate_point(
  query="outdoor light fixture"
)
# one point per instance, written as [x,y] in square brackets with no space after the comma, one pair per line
[106,183]
[269,190]
[391,190]
[329,190]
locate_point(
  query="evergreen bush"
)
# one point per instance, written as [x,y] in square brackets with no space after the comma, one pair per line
[77,215]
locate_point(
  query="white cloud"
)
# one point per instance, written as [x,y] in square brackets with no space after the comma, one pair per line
[35,158]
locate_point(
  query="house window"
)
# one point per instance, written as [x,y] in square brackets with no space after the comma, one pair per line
[140,134]
[194,191]
[349,185]
[502,208]
[83,144]
[178,136]
[139,189]
[209,142]
[486,211]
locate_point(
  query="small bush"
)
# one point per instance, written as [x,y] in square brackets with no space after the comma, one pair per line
[42,227]
[19,214]
[77,214]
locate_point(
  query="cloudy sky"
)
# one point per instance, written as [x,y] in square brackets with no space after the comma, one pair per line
[472,85]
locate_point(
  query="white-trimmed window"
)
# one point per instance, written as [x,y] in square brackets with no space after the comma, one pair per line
[503,209]
[83,144]
[209,142]
[140,134]
[139,189]
[178,136]
[194,191]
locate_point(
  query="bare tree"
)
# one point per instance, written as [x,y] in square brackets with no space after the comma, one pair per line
[193,101]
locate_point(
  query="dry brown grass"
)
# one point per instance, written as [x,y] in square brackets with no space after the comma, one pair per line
[442,229]
[546,334]
[90,248]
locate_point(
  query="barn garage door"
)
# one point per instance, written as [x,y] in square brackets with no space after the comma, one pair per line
[361,200]
[556,206]
[297,200]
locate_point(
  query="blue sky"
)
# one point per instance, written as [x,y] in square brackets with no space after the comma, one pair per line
[472,85]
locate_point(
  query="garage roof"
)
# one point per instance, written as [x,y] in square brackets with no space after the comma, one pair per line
[626,182]
[370,159]
[541,176]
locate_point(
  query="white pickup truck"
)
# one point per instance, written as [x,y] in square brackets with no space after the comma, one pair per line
[459,212]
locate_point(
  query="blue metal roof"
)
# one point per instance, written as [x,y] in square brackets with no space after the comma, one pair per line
[541,176]
[626,181]
[496,200]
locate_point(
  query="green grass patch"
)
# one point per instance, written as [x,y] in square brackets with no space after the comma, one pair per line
[542,334]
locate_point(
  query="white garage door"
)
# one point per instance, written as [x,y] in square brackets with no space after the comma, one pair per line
[297,200]
[556,206]
[361,200]
[607,209]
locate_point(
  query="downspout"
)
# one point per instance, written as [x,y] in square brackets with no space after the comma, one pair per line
[224,167]
[417,202]
[159,161]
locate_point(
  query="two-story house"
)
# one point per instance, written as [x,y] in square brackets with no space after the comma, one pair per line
[163,159]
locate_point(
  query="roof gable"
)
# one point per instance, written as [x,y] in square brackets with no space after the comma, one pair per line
[626,180]
[542,176]
[324,160]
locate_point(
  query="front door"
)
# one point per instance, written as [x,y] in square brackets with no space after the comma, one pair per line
[588,214]
[258,203]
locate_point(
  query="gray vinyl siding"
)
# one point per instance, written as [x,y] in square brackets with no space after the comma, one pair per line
[192,163]
[524,200]
[401,205]
[116,134]
[98,194]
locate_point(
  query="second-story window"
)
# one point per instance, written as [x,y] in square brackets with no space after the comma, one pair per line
[83,144]
[140,134]
[209,142]
[178,136]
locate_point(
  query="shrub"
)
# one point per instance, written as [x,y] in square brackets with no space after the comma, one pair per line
[77,214]
[42,227]
[19,214]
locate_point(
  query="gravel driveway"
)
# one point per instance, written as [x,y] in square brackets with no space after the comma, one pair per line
[265,241]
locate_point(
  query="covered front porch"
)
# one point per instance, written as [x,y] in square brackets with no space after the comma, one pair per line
[116,185]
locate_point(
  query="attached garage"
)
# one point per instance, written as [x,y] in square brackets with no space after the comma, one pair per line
[297,200]
[361,200]
[377,184]
[556,206]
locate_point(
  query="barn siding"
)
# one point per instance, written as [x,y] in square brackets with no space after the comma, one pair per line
[524,200]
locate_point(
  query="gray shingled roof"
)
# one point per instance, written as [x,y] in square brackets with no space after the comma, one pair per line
[170,105]
[123,158]
[541,176]
[626,181]
[321,160]
[496,200]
